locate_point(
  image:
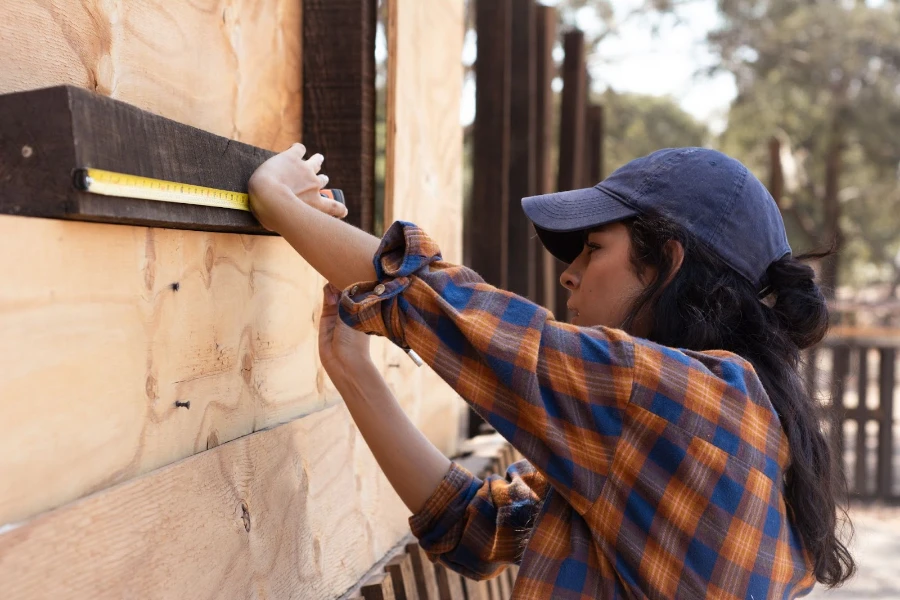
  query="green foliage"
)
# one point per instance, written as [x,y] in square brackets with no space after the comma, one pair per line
[637,125]
[822,76]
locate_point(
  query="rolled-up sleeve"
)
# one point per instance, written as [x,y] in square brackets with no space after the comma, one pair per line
[557,392]
[477,527]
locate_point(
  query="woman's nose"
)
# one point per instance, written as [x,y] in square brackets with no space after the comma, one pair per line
[570,278]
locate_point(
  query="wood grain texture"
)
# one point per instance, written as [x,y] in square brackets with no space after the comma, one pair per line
[226,66]
[423,173]
[103,329]
[339,97]
[546,280]
[266,516]
[46,134]
[486,223]
[570,175]
[523,167]
[423,571]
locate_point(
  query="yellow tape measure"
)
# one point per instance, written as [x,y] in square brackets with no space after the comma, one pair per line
[109,183]
[122,185]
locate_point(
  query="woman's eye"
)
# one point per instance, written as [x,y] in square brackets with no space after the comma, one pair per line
[592,247]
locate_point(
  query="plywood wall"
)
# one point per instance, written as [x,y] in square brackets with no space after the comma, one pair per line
[231,67]
[110,484]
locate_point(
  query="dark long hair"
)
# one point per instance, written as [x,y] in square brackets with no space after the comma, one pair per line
[707,305]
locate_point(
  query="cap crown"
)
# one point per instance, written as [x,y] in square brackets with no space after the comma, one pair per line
[714,197]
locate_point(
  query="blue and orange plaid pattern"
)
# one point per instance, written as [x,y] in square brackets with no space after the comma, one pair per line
[650,472]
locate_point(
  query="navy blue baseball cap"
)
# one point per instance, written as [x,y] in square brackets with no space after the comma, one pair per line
[713,196]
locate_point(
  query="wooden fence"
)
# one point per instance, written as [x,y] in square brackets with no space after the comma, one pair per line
[855,375]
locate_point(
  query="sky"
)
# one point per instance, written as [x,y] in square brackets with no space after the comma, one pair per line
[636,60]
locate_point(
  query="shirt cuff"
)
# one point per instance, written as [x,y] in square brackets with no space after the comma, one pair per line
[404,251]
[446,506]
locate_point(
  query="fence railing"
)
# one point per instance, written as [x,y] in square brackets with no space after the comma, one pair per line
[854,373]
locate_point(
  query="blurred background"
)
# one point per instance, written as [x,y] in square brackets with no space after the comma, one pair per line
[805,92]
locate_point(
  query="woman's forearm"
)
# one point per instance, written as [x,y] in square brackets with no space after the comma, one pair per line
[339,251]
[413,465]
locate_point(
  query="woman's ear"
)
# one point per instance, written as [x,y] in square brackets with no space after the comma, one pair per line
[675,251]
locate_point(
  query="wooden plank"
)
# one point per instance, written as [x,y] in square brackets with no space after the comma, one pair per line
[379,587]
[862,387]
[475,590]
[423,174]
[268,515]
[545,265]
[125,349]
[486,227]
[521,251]
[571,135]
[494,589]
[424,572]
[339,97]
[840,369]
[233,68]
[450,585]
[402,579]
[887,379]
[39,154]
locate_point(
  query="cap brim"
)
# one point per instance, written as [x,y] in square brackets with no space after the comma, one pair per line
[560,218]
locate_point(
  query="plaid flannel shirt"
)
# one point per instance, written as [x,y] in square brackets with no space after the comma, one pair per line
[650,472]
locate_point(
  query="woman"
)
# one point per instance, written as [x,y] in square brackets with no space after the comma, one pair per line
[672,450]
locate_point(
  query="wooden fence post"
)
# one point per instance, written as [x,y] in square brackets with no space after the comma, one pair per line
[571,135]
[339,97]
[522,147]
[862,414]
[486,226]
[839,371]
[545,264]
[886,382]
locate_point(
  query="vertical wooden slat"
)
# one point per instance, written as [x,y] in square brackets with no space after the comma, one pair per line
[594,145]
[861,412]
[487,221]
[839,371]
[571,135]
[423,571]
[475,590]
[449,584]
[378,587]
[886,381]
[402,578]
[339,97]
[486,227]
[522,144]
[545,265]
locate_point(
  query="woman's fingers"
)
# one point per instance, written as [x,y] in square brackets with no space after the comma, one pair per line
[315,161]
[323,181]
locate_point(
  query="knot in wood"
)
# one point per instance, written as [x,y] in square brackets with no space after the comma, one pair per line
[245,515]
[27,151]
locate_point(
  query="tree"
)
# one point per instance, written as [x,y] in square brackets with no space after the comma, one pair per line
[637,125]
[823,76]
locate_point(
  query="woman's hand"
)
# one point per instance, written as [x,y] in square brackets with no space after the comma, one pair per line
[285,179]
[342,349]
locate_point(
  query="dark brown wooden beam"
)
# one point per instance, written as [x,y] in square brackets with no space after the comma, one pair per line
[545,183]
[521,252]
[339,97]
[46,134]
[571,133]
[487,220]
[862,380]
[886,382]
[839,372]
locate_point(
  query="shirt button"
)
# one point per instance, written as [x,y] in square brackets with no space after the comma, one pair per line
[353,290]
[379,289]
